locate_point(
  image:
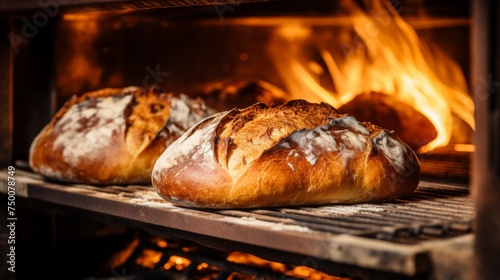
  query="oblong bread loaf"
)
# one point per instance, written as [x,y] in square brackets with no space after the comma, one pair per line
[298,153]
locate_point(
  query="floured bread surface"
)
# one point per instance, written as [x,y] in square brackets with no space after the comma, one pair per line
[293,154]
[244,135]
[112,135]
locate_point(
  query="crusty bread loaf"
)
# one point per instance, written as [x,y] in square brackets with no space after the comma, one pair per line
[112,136]
[238,93]
[293,154]
[386,111]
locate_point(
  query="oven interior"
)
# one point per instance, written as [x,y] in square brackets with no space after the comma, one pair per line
[308,49]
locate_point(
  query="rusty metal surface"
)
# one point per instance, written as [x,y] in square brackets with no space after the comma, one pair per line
[384,236]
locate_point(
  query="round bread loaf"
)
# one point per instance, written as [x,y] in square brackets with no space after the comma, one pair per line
[112,136]
[239,93]
[298,153]
[386,111]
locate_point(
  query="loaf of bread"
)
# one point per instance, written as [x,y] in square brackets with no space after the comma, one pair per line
[238,93]
[298,153]
[112,136]
[390,113]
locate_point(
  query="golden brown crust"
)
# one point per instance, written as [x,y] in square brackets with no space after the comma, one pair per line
[112,136]
[294,154]
[384,110]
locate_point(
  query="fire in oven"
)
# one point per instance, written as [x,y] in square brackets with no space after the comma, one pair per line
[249,139]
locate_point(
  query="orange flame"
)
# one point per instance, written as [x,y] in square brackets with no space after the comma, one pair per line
[301,272]
[148,258]
[373,52]
[179,263]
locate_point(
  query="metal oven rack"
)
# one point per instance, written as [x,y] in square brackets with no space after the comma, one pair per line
[402,236]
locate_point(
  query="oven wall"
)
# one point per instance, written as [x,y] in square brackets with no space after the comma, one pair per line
[486,177]
[6,97]
[33,80]
[178,48]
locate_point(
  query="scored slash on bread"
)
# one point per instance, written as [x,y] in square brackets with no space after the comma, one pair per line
[298,153]
[112,136]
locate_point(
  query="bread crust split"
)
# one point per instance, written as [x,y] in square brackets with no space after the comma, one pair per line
[298,153]
[113,135]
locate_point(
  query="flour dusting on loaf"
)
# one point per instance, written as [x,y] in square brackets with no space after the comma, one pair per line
[88,123]
[195,144]
[185,112]
[393,150]
[347,141]
[293,154]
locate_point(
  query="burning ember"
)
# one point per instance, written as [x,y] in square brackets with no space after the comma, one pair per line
[194,262]
[301,272]
[374,51]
